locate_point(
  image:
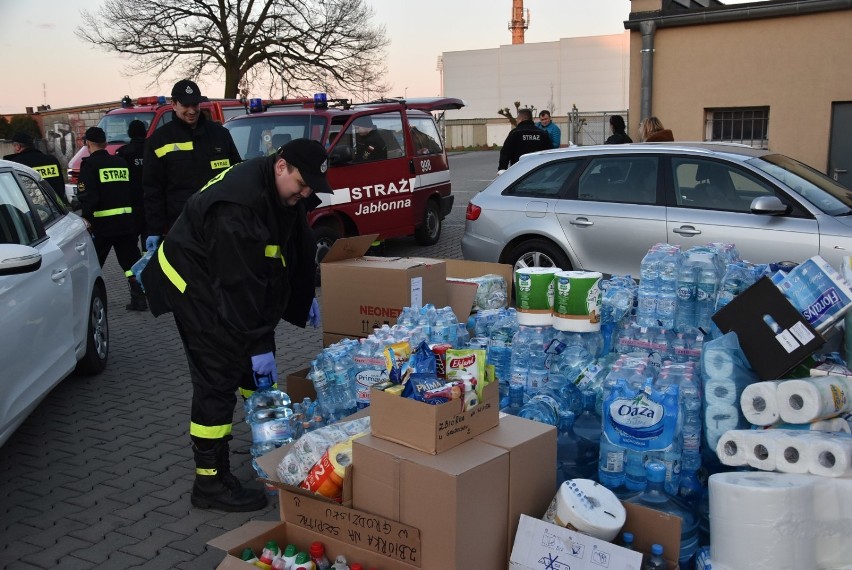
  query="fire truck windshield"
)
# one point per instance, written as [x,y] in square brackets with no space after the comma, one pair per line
[115,125]
[260,137]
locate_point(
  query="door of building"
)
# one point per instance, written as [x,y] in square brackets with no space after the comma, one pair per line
[840,145]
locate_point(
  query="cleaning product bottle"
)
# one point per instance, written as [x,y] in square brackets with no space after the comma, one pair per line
[318,556]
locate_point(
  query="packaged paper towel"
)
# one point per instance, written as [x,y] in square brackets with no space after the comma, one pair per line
[806,400]
[759,403]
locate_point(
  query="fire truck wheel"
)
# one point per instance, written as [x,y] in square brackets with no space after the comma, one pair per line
[429,230]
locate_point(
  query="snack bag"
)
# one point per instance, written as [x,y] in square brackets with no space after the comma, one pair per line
[470,360]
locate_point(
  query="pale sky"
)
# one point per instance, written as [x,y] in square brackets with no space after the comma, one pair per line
[43,62]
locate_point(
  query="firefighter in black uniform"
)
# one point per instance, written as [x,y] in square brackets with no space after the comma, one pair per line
[524,138]
[105,198]
[45,164]
[180,157]
[133,153]
[238,260]
[369,144]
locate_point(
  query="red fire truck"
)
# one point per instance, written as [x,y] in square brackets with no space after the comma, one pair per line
[401,191]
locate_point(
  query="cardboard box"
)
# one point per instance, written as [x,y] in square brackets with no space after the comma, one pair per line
[360,293]
[532,447]
[463,269]
[428,428]
[298,386]
[347,536]
[457,499]
[543,545]
[774,336]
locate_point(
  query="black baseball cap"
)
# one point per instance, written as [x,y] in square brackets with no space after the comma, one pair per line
[186,92]
[310,158]
[95,135]
[23,138]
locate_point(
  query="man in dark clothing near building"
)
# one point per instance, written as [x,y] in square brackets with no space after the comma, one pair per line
[180,157]
[369,144]
[238,260]
[133,152]
[524,138]
[45,164]
[105,198]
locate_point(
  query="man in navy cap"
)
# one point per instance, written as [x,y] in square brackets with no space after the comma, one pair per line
[180,157]
[45,164]
[239,259]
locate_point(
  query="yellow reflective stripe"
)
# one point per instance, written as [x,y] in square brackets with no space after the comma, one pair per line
[208,472]
[221,163]
[128,273]
[246,393]
[47,171]
[112,212]
[214,180]
[274,251]
[170,272]
[209,432]
[114,174]
[171,147]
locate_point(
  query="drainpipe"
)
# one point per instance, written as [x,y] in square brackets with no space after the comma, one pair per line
[647,27]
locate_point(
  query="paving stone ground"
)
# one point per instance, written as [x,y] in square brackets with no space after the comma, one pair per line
[99,475]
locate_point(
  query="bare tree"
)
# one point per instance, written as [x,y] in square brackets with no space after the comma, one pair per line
[506,112]
[297,44]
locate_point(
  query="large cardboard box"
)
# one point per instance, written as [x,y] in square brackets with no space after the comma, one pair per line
[464,269]
[360,293]
[532,460]
[428,428]
[457,499]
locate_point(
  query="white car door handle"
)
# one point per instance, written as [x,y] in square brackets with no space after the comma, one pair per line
[81,247]
[59,274]
[686,231]
[581,222]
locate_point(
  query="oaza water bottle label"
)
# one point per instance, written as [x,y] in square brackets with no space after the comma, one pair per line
[641,419]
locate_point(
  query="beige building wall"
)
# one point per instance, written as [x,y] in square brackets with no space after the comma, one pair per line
[795,65]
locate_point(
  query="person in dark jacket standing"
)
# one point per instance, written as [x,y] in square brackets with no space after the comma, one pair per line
[180,157]
[45,164]
[618,128]
[239,259]
[133,152]
[105,198]
[524,138]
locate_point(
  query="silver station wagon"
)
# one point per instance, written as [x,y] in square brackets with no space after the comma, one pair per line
[601,207]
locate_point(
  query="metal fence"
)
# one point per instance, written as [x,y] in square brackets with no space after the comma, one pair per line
[591,128]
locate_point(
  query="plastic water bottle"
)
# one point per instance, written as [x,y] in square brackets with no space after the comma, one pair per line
[610,464]
[445,329]
[342,372]
[655,497]
[520,361]
[656,560]
[546,405]
[538,373]
[627,541]
[369,367]
[573,459]
[499,348]
[667,304]
[686,288]
[646,308]
[706,288]
[635,478]
[587,426]
[516,400]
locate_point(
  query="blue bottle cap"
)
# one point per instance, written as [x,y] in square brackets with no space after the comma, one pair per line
[628,537]
[656,550]
[656,472]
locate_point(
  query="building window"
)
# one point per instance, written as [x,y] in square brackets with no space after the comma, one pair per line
[745,125]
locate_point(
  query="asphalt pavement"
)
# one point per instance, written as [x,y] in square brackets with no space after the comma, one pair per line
[99,475]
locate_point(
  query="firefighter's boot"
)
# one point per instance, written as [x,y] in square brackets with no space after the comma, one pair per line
[215,486]
[138,302]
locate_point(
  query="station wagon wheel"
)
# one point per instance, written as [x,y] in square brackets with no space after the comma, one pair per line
[538,253]
[429,231]
[97,335]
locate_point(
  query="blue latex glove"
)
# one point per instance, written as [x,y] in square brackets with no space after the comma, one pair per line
[314,314]
[264,365]
[151,242]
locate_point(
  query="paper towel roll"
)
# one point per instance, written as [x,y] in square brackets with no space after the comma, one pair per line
[810,399]
[720,391]
[830,455]
[717,420]
[793,446]
[759,403]
[732,448]
[833,505]
[590,508]
[762,521]
[717,363]
[840,425]
[763,449]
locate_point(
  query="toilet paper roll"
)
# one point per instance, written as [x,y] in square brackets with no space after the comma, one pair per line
[717,363]
[830,455]
[717,420]
[732,448]
[763,449]
[762,521]
[589,507]
[534,294]
[720,391]
[759,403]
[833,503]
[809,399]
[793,450]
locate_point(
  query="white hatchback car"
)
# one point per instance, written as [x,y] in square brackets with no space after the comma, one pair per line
[53,305]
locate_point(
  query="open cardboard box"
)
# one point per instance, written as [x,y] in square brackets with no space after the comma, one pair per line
[428,428]
[460,295]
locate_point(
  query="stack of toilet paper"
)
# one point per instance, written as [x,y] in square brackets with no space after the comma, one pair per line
[779,521]
[788,451]
[726,374]
[799,401]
